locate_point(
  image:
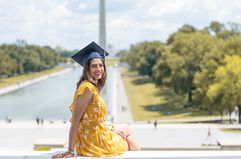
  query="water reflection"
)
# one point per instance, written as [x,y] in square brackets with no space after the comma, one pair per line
[49,99]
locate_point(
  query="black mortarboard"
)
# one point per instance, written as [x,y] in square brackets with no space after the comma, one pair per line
[91,51]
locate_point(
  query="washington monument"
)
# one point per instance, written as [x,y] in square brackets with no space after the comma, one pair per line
[102,33]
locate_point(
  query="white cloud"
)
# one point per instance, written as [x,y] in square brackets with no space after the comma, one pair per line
[82,6]
[162,8]
[73,23]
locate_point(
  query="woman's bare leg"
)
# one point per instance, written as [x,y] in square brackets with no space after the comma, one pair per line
[132,144]
[126,132]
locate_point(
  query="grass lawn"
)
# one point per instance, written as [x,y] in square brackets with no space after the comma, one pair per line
[111,61]
[149,102]
[4,82]
[231,130]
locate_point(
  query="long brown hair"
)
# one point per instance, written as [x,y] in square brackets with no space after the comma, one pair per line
[86,76]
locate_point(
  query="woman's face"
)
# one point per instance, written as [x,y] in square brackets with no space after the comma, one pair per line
[96,69]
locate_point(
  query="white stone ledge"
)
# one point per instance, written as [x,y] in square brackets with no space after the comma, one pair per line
[135,154]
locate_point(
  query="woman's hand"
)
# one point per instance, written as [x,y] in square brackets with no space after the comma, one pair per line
[67,154]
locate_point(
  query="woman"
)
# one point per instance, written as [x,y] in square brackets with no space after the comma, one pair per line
[89,135]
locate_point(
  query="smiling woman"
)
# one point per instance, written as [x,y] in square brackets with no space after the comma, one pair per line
[89,134]
[96,69]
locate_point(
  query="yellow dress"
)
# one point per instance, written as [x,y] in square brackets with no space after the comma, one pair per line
[93,137]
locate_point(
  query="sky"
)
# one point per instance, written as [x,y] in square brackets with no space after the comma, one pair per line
[72,24]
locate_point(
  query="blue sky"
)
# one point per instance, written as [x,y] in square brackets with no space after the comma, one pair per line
[73,24]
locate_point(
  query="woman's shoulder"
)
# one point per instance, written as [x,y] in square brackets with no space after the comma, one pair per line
[85,84]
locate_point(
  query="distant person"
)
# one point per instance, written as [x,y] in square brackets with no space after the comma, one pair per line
[8,119]
[64,121]
[89,134]
[37,120]
[155,124]
[209,134]
[122,108]
[209,140]
[112,119]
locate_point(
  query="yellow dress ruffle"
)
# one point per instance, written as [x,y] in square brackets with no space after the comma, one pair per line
[94,138]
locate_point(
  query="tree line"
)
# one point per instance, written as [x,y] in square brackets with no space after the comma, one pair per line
[21,58]
[203,63]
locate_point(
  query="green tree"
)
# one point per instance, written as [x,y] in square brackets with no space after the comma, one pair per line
[232,46]
[7,65]
[187,52]
[225,91]
[216,27]
[22,58]
[186,29]
[143,56]
[122,54]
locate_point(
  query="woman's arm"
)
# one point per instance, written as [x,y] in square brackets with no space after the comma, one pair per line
[80,106]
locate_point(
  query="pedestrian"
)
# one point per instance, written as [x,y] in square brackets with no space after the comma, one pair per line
[122,108]
[112,119]
[89,134]
[155,124]
[209,134]
[9,119]
[37,120]
[209,140]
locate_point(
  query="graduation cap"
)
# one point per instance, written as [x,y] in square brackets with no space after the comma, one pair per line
[89,52]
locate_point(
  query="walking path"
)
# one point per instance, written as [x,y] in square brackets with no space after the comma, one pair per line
[122,108]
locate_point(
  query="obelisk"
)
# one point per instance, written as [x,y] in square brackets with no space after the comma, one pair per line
[102,33]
